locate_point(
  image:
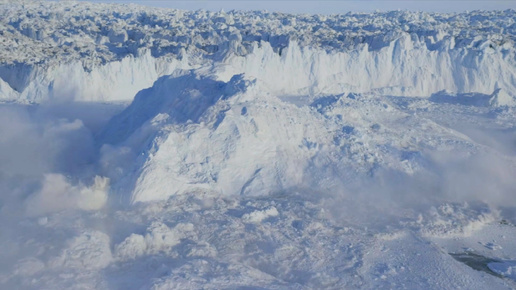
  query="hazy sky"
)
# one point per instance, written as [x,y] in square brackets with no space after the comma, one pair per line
[327,7]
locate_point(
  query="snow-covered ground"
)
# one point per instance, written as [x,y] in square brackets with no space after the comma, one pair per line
[152,148]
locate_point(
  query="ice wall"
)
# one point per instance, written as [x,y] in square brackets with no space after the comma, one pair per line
[404,67]
[6,92]
[111,82]
[45,45]
[407,66]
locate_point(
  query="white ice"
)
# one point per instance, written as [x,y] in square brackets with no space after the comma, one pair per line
[145,148]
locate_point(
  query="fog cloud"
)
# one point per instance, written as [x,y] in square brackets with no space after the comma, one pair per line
[46,162]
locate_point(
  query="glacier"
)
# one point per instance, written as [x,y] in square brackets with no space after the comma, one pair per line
[103,50]
[146,148]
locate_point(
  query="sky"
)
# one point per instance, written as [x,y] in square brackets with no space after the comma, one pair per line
[328,7]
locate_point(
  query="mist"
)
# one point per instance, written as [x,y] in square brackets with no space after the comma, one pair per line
[48,158]
[478,182]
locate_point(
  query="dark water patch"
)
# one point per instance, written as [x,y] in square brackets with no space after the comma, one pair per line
[466,99]
[476,261]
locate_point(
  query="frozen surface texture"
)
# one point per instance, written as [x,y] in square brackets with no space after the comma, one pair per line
[96,52]
[147,148]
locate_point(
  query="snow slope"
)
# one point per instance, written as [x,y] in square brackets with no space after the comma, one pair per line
[196,133]
[258,150]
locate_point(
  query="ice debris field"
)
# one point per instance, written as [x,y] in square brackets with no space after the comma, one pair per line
[145,148]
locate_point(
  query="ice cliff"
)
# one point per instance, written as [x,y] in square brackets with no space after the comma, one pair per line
[106,53]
